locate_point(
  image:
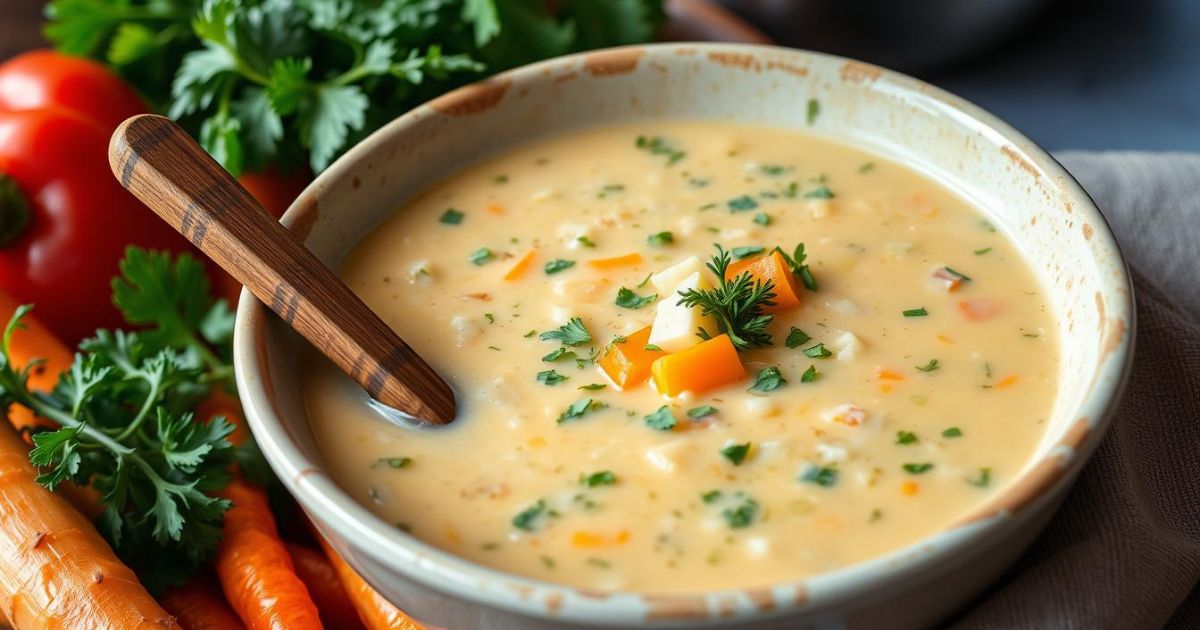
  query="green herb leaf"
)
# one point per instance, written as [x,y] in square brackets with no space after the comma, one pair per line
[451,217]
[813,110]
[741,515]
[394,462]
[626,298]
[916,312]
[983,479]
[980,252]
[592,387]
[796,338]
[917,469]
[746,252]
[661,239]
[741,204]
[952,432]
[818,351]
[737,304]
[572,333]
[659,146]
[762,219]
[559,353]
[526,520]
[768,379]
[602,478]
[557,265]
[736,453]
[550,377]
[906,437]
[580,408]
[662,419]
[929,367]
[820,192]
[702,411]
[480,256]
[810,375]
[823,476]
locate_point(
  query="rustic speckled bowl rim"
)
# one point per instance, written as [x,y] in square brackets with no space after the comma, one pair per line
[465,580]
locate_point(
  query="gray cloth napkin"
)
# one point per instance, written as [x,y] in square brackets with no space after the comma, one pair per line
[1124,550]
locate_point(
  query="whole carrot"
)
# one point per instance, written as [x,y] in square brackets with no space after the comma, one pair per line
[55,569]
[314,569]
[34,341]
[199,605]
[254,568]
[375,611]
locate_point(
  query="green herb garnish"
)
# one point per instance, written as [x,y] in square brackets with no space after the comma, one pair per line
[796,338]
[572,333]
[813,110]
[799,269]
[602,478]
[746,252]
[550,377]
[702,411]
[394,462]
[661,239]
[917,469]
[592,387]
[741,204]
[737,304]
[983,479]
[980,252]
[952,432]
[736,453]
[626,298]
[823,476]
[810,375]
[662,419]
[659,146]
[762,218]
[480,256]
[929,367]
[557,265]
[915,312]
[768,379]
[906,437]
[451,217]
[558,353]
[741,515]
[818,351]
[820,192]
[526,519]
[580,408]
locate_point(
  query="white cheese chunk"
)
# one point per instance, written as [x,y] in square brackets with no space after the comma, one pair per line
[675,325]
[669,278]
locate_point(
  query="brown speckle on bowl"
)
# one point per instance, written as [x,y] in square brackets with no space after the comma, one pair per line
[745,62]
[610,62]
[563,78]
[763,598]
[858,72]
[1087,231]
[1019,160]
[554,602]
[472,99]
[1075,435]
[664,607]
[800,71]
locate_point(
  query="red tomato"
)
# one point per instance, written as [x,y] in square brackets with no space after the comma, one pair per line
[80,220]
[44,78]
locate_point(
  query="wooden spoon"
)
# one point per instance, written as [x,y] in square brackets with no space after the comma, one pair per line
[160,164]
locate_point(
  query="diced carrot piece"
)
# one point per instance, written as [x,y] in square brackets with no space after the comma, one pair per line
[521,266]
[616,261]
[770,267]
[704,366]
[1007,381]
[885,374]
[591,540]
[628,363]
[495,208]
[910,488]
[979,309]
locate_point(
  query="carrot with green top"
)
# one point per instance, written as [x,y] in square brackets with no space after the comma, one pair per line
[254,568]
[55,569]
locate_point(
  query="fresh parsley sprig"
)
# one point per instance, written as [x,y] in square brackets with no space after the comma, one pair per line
[298,81]
[126,422]
[736,304]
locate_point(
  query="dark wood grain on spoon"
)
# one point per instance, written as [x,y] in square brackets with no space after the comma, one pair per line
[160,164]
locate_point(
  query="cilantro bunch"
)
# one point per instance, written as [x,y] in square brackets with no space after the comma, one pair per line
[298,81]
[126,422]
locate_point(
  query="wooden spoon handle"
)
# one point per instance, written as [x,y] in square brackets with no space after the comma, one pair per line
[160,164]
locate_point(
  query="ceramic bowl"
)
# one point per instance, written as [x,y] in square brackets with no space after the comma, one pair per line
[1022,189]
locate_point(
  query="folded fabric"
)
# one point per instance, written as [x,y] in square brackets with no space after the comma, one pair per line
[1124,549]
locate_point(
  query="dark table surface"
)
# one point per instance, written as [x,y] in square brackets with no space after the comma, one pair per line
[1086,74]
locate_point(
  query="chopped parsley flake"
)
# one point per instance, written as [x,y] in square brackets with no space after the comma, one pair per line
[980,252]
[602,478]
[741,515]
[626,298]
[659,146]
[557,265]
[917,469]
[916,312]
[525,520]
[644,281]
[741,204]
[746,252]
[952,432]
[394,462]
[906,437]
[796,262]
[451,217]
[736,453]
[550,377]
[768,379]
[813,111]
[592,387]
[491,318]
[823,476]
[481,256]
[661,238]
[500,179]
[820,192]
[662,419]
[532,332]
[710,496]
[796,338]
[579,408]
[818,351]
[559,353]
[956,274]
[810,374]
[774,169]
[983,479]
[762,218]
[866,168]
[584,241]
[572,333]
[929,367]
[653,348]
[702,411]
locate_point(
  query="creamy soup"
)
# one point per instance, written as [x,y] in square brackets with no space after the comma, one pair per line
[613,435]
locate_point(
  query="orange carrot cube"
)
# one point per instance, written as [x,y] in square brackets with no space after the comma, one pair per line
[770,268]
[700,368]
[627,363]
